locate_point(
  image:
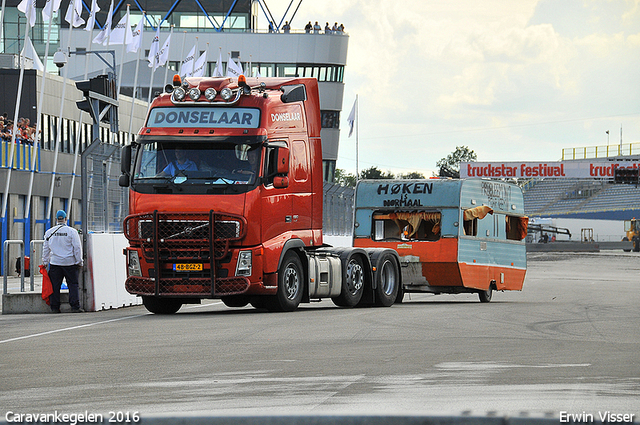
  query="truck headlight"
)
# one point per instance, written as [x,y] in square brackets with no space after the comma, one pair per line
[244,264]
[133,263]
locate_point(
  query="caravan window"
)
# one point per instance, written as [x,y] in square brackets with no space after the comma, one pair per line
[419,226]
[516,227]
[471,217]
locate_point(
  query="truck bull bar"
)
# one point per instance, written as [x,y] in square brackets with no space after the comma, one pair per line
[169,239]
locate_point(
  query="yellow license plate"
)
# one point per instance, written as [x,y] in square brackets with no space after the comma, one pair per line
[187,267]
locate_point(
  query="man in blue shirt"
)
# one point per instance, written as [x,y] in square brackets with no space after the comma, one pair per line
[181,163]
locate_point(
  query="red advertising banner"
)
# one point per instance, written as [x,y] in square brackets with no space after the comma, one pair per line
[566,169]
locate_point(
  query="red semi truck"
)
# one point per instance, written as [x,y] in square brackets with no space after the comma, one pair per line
[225,201]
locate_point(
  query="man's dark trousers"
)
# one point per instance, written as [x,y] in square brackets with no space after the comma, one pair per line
[70,274]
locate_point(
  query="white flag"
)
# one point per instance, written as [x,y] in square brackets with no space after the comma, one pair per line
[233,69]
[137,37]
[121,33]
[73,13]
[103,35]
[91,20]
[153,50]
[28,7]
[163,54]
[28,52]
[49,9]
[200,66]
[218,71]
[352,117]
[186,70]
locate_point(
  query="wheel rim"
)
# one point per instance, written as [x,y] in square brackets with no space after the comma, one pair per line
[291,282]
[355,276]
[388,277]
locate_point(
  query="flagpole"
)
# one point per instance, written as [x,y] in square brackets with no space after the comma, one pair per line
[135,80]
[127,31]
[36,140]
[356,122]
[184,42]
[80,122]
[13,135]
[59,132]
[166,65]
[153,64]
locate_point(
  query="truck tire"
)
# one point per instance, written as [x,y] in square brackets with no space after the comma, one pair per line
[636,244]
[388,281]
[235,300]
[352,284]
[290,285]
[159,305]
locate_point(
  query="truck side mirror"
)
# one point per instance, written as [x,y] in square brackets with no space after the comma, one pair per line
[125,159]
[125,166]
[283,161]
[124,180]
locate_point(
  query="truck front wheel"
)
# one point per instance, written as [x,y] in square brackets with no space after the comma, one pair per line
[352,284]
[290,285]
[159,305]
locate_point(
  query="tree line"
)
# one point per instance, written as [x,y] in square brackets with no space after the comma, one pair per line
[448,166]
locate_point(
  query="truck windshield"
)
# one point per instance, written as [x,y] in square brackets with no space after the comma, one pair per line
[219,161]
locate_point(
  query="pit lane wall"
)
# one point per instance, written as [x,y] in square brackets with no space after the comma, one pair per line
[103,287]
[106,272]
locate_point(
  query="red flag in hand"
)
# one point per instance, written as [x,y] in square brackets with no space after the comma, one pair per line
[47,289]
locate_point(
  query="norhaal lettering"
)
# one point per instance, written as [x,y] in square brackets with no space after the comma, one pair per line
[404,201]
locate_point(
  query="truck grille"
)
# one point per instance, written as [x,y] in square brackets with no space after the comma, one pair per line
[167,238]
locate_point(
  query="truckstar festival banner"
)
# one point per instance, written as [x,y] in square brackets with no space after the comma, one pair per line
[570,169]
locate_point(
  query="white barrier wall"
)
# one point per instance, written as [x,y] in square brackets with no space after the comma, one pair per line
[106,272]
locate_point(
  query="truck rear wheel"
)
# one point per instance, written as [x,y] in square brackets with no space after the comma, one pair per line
[290,285]
[352,284]
[159,305]
[388,281]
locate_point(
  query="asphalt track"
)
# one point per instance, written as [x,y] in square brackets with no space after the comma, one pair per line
[567,344]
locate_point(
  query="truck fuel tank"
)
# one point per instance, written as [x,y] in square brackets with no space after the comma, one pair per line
[325,276]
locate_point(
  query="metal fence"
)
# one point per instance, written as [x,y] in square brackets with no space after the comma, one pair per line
[104,202]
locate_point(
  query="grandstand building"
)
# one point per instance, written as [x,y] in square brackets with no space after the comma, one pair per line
[600,204]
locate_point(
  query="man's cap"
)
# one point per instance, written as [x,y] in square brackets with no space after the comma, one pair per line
[61,215]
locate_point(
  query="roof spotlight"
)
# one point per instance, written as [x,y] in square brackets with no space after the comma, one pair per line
[210,94]
[178,94]
[194,93]
[226,93]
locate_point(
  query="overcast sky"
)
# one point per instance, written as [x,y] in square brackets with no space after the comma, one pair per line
[512,80]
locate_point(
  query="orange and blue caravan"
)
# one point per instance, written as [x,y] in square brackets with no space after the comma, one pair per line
[453,236]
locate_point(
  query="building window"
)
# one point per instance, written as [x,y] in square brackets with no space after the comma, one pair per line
[330,119]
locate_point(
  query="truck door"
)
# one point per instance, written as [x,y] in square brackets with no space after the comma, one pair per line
[277,215]
[300,185]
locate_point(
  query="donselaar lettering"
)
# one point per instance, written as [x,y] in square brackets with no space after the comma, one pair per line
[403,192]
[204,117]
